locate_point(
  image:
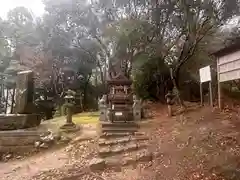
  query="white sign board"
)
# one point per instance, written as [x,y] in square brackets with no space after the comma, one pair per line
[229,67]
[205,74]
[118,113]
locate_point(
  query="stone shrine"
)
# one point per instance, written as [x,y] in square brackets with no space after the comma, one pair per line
[120,100]
[119,104]
[122,139]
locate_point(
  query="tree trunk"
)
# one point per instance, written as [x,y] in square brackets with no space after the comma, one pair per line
[6,103]
[85,92]
[101,72]
[13,100]
[175,79]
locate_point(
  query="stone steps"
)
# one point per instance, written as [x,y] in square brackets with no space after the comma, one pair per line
[16,148]
[19,140]
[108,135]
[115,134]
[122,144]
[119,161]
[119,149]
[119,129]
[129,158]
[119,124]
[104,142]
[22,132]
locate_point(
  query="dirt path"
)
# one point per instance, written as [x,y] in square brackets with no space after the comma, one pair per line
[27,168]
[51,160]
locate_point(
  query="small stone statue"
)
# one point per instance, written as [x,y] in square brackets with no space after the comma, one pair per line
[169,98]
[103,108]
[103,100]
[137,108]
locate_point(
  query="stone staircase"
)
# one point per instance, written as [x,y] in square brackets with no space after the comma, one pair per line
[122,144]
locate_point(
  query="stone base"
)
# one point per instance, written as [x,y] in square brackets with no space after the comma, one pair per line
[19,141]
[70,127]
[103,114]
[124,117]
[19,121]
[137,115]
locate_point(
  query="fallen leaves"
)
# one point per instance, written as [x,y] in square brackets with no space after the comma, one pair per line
[202,176]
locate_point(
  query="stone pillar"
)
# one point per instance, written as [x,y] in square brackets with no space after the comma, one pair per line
[69,115]
[103,108]
[24,92]
[137,107]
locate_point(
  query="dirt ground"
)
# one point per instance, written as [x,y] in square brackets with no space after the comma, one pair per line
[202,144]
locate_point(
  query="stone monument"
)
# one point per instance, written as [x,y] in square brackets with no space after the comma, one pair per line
[24,93]
[25,115]
[17,134]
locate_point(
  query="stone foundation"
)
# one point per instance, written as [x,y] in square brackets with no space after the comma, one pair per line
[18,121]
[18,141]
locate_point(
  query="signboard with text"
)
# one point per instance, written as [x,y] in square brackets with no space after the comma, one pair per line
[229,67]
[205,74]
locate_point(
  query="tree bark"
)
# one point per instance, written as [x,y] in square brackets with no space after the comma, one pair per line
[13,100]
[85,92]
[6,103]
[175,79]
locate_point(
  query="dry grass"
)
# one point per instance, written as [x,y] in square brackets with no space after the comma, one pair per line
[86,118]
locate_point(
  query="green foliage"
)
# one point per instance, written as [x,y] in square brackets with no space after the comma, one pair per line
[231,90]
[152,80]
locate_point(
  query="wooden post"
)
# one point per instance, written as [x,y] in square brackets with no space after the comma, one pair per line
[201,94]
[210,92]
[219,96]
[219,86]
[169,110]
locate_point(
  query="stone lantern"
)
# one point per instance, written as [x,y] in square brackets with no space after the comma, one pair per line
[69,104]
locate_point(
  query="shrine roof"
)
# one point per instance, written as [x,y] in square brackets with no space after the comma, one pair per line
[119,80]
[227,50]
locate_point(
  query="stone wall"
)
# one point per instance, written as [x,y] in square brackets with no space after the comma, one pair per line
[18,141]
[19,121]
